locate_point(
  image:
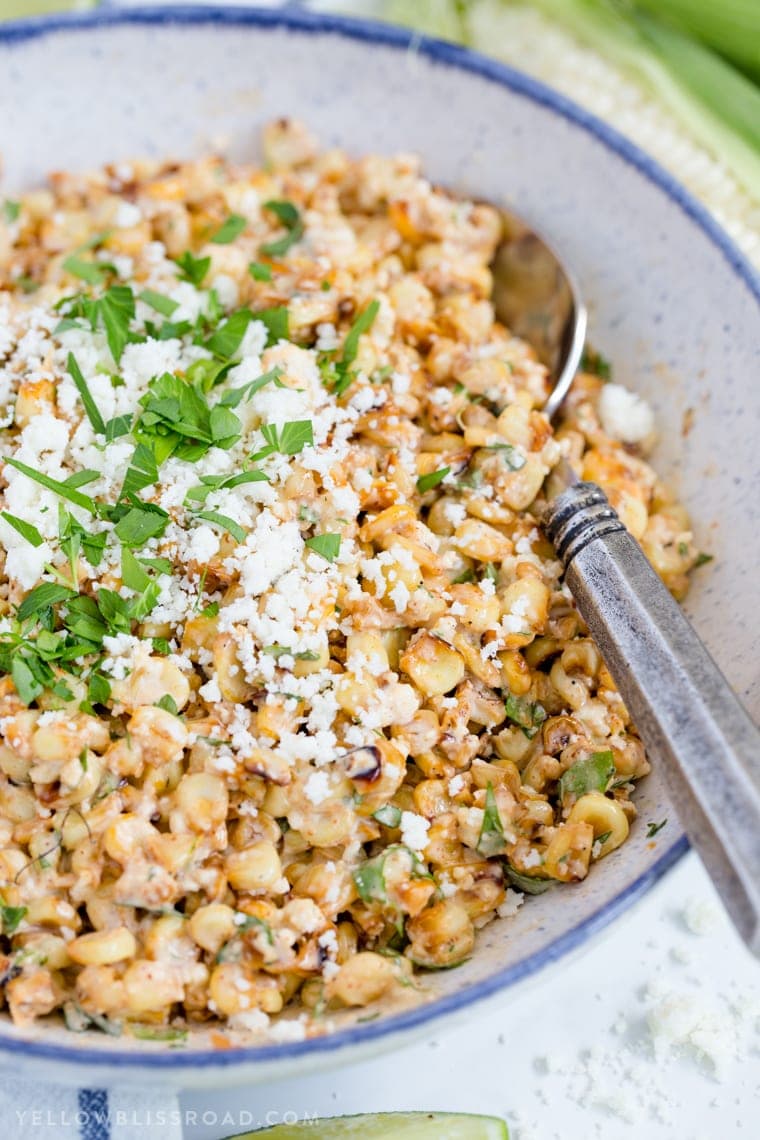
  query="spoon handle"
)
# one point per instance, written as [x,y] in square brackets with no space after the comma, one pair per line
[689,718]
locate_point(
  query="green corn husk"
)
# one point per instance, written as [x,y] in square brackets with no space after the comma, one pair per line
[714,101]
[731,27]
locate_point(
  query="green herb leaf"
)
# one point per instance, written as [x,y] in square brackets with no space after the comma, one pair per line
[427,482]
[259,271]
[528,715]
[28,686]
[491,838]
[290,218]
[168,704]
[41,598]
[291,438]
[92,272]
[25,529]
[590,775]
[98,689]
[90,407]
[228,524]
[653,828]
[229,230]
[528,884]
[278,651]
[339,375]
[211,483]
[59,488]
[158,1033]
[11,210]
[595,363]
[11,917]
[117,308]
[235,396]
[389,815]
[510,456]
[142,472]
[163,305]
[277,322]
[702,559]
[328,545]
[141,523]
[118,426]
[227,338]
[193,269]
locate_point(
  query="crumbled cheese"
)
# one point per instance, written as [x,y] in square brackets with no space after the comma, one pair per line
[513,900]
[317,788]
[624,414]
[414,830]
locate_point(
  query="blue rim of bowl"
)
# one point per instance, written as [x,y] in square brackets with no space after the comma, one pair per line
[450,55]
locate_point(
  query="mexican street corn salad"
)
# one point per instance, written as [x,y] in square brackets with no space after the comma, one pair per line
[292,697]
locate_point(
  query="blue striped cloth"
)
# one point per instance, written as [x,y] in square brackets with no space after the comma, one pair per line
[32,1111]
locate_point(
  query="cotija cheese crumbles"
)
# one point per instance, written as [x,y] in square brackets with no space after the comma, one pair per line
[292,698]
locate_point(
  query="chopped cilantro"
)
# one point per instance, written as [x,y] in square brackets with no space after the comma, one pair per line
[509,455]
[234,396]
[389,815]
[277,323]
[168,704]
[229,230]
[595,363]
[92,272]
[11,210]
[289,439]
[193,269]
[590,775]
[226,523]
[11,916]
[259,271]
[163,305]
[491,838]
[328,545]
[25,529]
[529,716]
[288,215]
[702,559]
[90,407]
[529,884]
[432,479]
[653,828]
[65,490]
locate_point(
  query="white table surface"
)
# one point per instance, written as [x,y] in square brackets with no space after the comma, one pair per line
[520,1054]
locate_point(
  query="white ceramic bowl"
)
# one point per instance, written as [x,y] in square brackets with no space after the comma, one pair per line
[673,305]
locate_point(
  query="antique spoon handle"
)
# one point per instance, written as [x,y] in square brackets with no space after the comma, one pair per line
[688,717]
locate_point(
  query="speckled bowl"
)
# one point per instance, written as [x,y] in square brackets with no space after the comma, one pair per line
[673,304]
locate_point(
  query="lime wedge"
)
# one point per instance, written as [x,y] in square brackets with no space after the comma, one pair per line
[15,9]
[389,1126]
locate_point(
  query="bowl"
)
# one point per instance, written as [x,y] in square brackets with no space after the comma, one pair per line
[673,304]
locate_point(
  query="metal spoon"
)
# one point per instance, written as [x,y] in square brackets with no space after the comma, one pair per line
[684,708]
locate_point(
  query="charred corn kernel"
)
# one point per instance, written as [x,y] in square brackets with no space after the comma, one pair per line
[257,868]
[434,666]
[103,947]
[362,979]
[202,799]
[442,935]
[606,817]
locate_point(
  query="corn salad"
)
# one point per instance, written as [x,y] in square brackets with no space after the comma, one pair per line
[293,700]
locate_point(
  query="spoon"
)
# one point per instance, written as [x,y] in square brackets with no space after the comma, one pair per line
[684,708]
